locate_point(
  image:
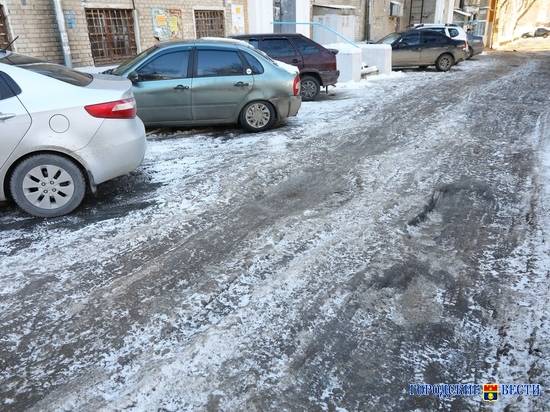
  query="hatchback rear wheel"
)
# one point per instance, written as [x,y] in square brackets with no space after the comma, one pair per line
[257,116]
[444,62]
[47,185]
[309,88]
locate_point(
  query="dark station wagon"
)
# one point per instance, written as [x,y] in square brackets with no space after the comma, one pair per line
[317,64]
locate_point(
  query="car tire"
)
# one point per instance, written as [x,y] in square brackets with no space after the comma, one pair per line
[310,88]
[47,185]
[258,116]
[545,35]
[444,62]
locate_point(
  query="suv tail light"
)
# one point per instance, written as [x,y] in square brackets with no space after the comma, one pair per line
[296,86]
[120,109]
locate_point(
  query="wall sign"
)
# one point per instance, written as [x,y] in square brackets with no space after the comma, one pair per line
[167,24]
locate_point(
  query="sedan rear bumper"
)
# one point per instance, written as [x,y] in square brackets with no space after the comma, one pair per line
[287,106]
[117,148]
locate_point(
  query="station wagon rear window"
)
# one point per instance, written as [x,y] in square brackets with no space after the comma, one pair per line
[55,71]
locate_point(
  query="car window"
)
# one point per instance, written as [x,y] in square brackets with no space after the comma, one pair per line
[165,67]
[277,47]
[432,38]
[389,39]
[412,39]
[55,71]
[453,32]
[134,60]
[253,63]
[254,42]
[439,30]
[8,87]
[219,63]
[305,46]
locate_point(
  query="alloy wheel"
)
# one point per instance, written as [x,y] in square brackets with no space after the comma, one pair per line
[309,89]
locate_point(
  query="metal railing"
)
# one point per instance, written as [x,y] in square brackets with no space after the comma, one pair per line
[314,23]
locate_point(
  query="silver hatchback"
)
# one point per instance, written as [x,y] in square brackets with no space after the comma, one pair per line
[211,81]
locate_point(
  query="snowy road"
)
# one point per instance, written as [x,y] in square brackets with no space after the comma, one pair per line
[392,233]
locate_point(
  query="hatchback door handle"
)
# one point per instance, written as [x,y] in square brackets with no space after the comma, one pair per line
[6,116]
[240,84]
[181,87]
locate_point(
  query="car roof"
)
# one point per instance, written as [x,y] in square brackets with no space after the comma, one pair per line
[206,41]
[246,36]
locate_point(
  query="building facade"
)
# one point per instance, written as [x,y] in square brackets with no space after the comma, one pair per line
[103,32]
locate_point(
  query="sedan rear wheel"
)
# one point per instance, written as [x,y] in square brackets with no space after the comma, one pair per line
[47,185]
[444,62]
[257,116]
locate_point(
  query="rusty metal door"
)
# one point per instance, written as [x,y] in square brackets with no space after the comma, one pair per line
[4,36]
[209,23]
[112,36]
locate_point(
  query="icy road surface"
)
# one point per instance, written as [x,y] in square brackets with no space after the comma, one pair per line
[395,232]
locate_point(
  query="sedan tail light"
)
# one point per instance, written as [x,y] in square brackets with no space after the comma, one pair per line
[296,86]
[119,109]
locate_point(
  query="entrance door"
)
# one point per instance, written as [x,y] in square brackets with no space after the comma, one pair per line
[221,84]
[14,118]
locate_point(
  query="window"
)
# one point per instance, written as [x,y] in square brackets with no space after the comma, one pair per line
[453,32]
[168,66]
[8,87]
[111,33]
[209,23]
[305,46]
[55,71]
[277,47]
[4,38]
[432,38]
[411,39]
[219,63]
[133,60]
[254,64]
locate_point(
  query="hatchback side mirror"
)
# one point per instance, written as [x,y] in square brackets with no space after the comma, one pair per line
[133,77]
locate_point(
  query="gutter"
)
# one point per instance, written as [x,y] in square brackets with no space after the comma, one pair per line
[60,18]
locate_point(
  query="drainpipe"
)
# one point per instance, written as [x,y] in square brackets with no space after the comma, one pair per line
[137,32]
[60,18]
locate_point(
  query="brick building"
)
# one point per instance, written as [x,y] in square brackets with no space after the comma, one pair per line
[102,32]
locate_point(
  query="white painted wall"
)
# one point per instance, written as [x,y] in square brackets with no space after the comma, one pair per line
[260,16]
[345,25]
[378,55]
[303,14]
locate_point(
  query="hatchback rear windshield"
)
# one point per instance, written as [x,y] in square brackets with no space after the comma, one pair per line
[55,71]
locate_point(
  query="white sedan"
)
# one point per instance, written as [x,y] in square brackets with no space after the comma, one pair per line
[61,132]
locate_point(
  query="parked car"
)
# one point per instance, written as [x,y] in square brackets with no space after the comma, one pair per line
[62,132]
[475,45]
[425,48]
[540,32]
[452,31]
[211,81]
[317,64]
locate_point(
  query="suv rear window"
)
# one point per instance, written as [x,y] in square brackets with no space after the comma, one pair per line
[453,32]
[55,71]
